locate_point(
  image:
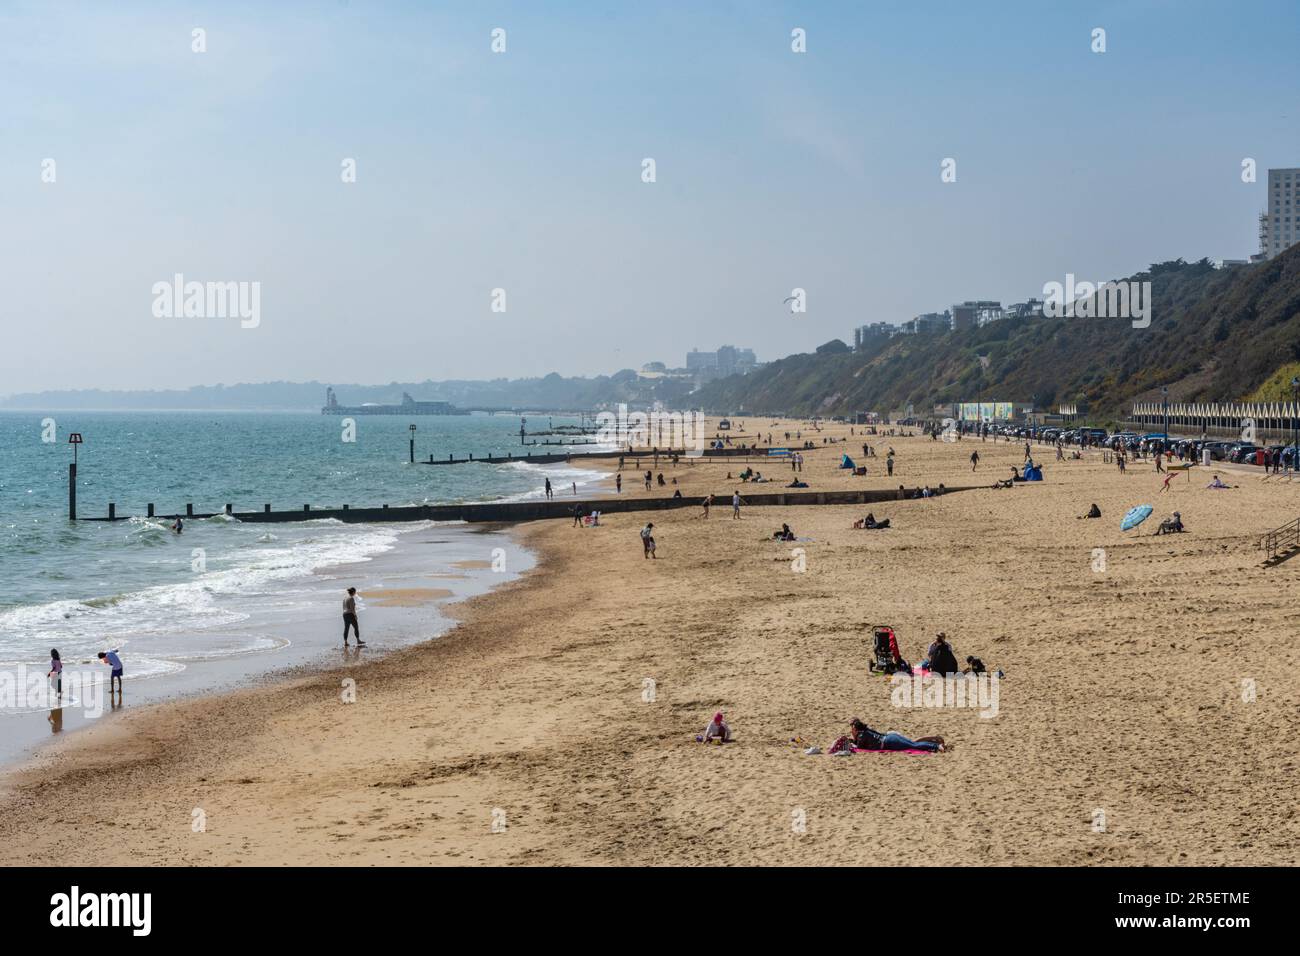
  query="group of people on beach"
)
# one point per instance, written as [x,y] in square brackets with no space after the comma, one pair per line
[941,660]
[110,659]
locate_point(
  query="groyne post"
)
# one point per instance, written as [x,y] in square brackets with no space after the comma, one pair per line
[189,509]
[74,439]
[112,511]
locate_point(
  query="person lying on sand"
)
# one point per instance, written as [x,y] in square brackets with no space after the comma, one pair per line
[870,523]
[1216,483]
[864,738]
[717,730]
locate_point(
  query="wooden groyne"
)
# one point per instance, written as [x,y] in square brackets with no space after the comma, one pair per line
[639,455]
[511,511]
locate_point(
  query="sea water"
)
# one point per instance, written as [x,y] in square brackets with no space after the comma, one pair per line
[225,590]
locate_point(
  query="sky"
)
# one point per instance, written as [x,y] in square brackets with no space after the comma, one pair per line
[523,171]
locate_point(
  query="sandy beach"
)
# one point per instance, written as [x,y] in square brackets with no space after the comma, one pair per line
[1147,715]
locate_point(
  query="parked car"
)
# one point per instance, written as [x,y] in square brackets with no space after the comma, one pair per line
[1219,450]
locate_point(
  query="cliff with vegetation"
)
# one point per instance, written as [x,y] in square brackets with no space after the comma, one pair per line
[1228,334]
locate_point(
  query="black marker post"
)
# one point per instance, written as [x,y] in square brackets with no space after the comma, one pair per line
[74,440]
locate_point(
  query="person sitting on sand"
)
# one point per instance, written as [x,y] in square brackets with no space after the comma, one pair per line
[785,534]
[862,737]
[1093,512]
[717,730]
[974,666]
[942,660]
[797,484]
[1172,525]
[1015,474]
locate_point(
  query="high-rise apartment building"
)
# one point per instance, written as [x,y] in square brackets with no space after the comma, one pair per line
[1279,224]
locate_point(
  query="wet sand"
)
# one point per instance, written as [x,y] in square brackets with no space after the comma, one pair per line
[1147,715]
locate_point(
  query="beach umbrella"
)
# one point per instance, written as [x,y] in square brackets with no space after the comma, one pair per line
[1135,517]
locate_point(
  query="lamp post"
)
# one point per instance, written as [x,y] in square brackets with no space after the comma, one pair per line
[1164,396]
[412,443]
[1295,421]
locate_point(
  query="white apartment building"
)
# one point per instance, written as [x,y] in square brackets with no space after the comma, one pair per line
[1279,224]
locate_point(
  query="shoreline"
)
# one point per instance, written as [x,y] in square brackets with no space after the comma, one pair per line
[554,724]
[399,597]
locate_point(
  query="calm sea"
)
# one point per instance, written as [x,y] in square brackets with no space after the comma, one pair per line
[169,600]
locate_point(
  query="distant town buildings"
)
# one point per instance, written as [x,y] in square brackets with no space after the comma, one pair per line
[1279,223]
[971,314]
[727,360]
[702,367]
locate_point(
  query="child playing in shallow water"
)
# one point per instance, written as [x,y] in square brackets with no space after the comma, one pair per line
[56,671]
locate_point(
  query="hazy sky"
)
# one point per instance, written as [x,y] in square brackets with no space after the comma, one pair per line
[522,170]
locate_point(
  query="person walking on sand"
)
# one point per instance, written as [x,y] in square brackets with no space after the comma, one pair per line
[618,483]
[1169,476]
[1160,465]
[889,466]
[649,478]
[1028,452]
[56,671]
[350,618]
[112,660]
[735,504]
[974,460]
[549,493]
[708,500]
[648,540]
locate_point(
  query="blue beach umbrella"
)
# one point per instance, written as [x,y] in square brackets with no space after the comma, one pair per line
[1135,517]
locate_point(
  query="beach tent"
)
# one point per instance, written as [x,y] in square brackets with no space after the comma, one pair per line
[846,462]
[1033,473]
[1135,517]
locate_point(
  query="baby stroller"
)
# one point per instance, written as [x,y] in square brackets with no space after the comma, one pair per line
[884,649]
